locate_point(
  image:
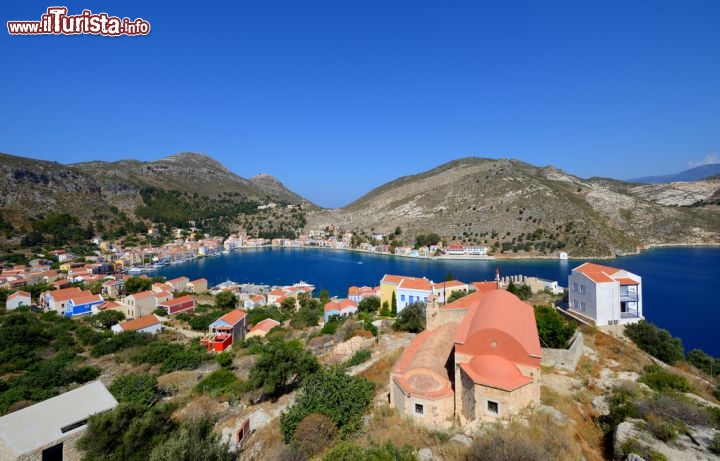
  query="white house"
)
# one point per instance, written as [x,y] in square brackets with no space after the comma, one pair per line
[411,290]
[605,295]
[146,324]
[17,299]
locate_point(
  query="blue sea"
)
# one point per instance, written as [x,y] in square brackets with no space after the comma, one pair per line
[679,288]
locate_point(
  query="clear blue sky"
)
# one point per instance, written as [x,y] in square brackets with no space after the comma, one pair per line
[337,97]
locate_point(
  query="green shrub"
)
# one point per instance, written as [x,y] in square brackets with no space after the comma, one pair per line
[333,393]
[224,359]
[644,451]
[358,358]
[347,451]
[221,382]
[554,330]
[655,341]
[660,380]
[411,318]
[140,388]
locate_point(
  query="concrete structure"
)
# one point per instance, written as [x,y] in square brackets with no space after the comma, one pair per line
[412,290]
[225,331]
[82,304]
[445,290]
[564,359]
[479,360]
[605,295]
[262,328]
[182,304]
[146,324]
[197,286]
[17,299]
[49,430]
[178,284]
[140,304]
[343,307]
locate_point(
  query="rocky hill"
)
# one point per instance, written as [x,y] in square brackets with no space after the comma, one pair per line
[520,209]
[31,188]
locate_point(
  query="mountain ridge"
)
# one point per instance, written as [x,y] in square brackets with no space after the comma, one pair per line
[691,174]
[515,208]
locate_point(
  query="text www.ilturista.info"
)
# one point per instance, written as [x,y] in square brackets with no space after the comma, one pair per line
[57,22]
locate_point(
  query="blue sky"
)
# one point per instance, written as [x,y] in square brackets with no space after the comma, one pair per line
[337,97]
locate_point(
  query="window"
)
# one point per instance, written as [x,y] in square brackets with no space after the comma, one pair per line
[582,305]
[412,299]
[574,286]
[419,409]
[493,407]
[54,453]
[402,297]
[582,288]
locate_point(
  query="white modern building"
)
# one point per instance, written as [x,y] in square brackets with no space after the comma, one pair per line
[605,295]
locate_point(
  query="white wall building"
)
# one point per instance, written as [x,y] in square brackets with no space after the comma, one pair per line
[605,295]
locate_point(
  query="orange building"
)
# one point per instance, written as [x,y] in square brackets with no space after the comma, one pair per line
[479,360]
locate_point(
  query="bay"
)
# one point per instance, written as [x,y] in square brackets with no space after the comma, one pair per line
[680,284]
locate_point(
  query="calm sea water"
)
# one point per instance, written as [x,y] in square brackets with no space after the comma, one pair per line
[679,284]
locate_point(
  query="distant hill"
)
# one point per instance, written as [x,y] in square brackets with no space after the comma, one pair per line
[530,210]
[167,190]
[693,174]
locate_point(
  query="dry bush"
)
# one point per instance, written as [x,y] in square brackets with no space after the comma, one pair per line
[379,372]
[314,433]
[542,439]
[673,407]
[628,356]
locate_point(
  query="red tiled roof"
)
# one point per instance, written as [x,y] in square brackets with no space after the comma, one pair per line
[86,299]
[389,278]
[177,301]
[265,325]
[65,294]
[143,294]
[495,371]
[596,272]
[233,316]
[627,281]
[485,286]
[449,284]
[413,283]
[421,369]
[17,294]
[498,323]
[140,322]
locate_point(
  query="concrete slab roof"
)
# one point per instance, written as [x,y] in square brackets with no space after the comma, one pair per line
[41,424]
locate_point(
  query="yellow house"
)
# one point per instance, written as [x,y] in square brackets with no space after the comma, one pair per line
[388,286]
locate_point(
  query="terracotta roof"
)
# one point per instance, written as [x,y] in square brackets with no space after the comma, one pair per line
[495,371]
[177,301]
[199,281]
[353,290]
[232,317]
[449,284]
[143,294]
[265,325]
[596,272]
[627,281]
[332,306]
[485,286]
[65,294]
[178,279]
[140,322]
[86,299]
[421,369]
[345,303]
[498,323]
[109,305]
[413,283]
[388,278]
[17,294]
[466,301]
